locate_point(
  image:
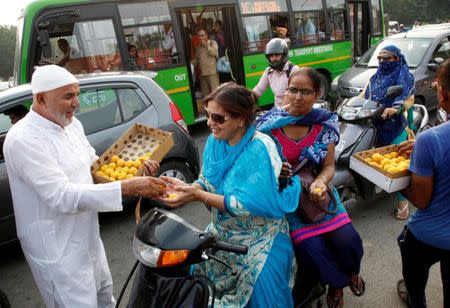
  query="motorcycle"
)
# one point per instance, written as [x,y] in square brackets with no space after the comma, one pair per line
[166,247]
[358,133]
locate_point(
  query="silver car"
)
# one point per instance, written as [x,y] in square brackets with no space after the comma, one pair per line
[109,104]
[423,48]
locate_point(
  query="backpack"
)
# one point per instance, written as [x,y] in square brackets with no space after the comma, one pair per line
[289,70]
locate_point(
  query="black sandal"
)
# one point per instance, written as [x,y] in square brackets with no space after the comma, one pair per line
[357,285]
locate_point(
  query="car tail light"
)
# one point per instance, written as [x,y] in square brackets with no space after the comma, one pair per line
[177,117]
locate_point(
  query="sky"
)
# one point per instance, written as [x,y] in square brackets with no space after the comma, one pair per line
[11,11]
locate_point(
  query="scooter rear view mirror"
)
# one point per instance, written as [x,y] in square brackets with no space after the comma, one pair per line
[394,91]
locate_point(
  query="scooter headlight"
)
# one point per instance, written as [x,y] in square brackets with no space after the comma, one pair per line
[155,257]
[366,112]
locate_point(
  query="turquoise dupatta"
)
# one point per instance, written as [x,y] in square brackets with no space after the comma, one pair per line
[245,171]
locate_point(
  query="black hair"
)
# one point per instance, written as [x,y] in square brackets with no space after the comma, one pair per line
[313,75]
[236,100]
[19,110]
[443,75]
[130,46]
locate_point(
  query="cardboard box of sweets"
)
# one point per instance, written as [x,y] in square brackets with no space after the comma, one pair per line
[391,178]
[127,154]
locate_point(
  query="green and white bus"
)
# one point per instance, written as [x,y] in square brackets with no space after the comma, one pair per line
[325,34]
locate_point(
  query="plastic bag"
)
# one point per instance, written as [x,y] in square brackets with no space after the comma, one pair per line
[223,65]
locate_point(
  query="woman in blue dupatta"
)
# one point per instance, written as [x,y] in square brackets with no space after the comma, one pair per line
[392,70]
[328,251]
[239,181]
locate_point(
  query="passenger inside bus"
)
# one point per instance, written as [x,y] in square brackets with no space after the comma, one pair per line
[70,58]
[306,30]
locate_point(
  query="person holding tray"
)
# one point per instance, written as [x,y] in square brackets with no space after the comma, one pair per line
[392,70]
[425,240]
[56,203]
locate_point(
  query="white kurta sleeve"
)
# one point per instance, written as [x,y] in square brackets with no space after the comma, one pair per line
[34,163]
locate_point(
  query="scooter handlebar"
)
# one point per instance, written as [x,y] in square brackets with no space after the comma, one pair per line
[236,248]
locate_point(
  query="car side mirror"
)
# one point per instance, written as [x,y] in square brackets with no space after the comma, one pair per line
[44,41]
[356,59]
[433,66]
[394,91]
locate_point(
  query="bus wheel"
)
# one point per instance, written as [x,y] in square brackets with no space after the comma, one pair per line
[325,86]
[177,169]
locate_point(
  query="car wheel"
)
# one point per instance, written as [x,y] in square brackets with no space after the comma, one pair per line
[177,169]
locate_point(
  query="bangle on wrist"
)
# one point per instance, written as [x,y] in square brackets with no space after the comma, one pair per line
[323,177]
[206,199]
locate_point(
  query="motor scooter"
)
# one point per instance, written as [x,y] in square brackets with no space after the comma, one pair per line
[166,247]
[358,133]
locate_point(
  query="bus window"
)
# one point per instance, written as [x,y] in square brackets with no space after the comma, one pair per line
[88,47]
[337,18]
[147,26]
[376,17]
[257,32]
[309,22]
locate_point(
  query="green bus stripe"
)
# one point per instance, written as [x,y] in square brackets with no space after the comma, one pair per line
[306,64]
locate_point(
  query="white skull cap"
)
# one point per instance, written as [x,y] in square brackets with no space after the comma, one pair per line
[50,77]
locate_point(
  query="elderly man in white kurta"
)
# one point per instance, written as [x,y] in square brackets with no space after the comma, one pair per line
[48,160]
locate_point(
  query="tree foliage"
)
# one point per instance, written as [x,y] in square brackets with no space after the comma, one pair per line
[7,45]
[425,11]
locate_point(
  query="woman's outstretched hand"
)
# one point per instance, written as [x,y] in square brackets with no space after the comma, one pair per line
[178,193]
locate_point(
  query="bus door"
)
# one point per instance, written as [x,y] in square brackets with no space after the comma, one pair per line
[221,25]
[359,26]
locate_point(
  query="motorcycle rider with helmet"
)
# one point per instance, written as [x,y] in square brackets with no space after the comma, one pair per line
[277,74]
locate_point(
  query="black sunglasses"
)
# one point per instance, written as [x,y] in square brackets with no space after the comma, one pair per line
[218,118]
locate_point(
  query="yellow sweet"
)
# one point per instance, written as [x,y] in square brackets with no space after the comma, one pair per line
[100,173]
[120,163]
[317,190]
[172,196]
[368,159]
[103,167]
[377,157]
[108,171]
[394,154]
[112,165]
[387,156]
[129,164]
[137,163]
[114,158]
[125,169]
[143,158]
[133,170]
[122,176]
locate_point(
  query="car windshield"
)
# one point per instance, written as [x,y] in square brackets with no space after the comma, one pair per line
[413,49]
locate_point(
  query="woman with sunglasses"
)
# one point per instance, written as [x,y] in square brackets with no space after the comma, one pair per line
[425,240]
[239,181]
[392,70]
[329,250]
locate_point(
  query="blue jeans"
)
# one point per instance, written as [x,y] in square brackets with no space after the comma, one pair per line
[417,258]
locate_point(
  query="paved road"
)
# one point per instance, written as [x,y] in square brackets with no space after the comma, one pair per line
[381,266]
